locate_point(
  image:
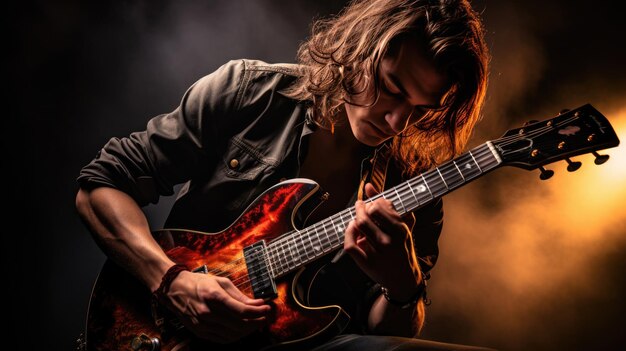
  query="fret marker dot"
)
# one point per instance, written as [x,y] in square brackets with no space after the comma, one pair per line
[468,166]
[316,248]
[421,188]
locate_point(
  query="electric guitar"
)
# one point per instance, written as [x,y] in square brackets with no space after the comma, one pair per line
[264,254]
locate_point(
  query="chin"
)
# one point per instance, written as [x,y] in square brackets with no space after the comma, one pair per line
[369,140]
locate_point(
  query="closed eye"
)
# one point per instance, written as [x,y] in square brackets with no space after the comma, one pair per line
[387,89]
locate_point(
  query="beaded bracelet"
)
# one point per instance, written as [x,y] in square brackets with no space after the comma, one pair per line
[160,293]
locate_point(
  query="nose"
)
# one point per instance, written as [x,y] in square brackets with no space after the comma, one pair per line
[398,117]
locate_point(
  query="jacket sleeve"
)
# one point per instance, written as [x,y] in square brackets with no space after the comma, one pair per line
[174,147]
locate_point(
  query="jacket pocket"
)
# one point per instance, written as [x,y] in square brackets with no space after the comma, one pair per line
[242,161]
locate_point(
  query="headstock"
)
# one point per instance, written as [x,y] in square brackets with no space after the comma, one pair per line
[579,131]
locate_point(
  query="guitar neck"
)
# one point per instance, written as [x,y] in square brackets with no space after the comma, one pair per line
[297,248]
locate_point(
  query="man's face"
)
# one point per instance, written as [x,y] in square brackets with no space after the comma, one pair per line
[410,85]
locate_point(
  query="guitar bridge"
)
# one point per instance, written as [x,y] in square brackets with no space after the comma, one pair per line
[263,286]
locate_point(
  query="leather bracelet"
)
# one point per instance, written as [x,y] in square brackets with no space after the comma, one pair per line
[402,304]
[420,294]
[160,293]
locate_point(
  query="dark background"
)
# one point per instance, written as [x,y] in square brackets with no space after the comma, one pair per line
[82,72]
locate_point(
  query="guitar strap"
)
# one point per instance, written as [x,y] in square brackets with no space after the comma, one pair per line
[376,174]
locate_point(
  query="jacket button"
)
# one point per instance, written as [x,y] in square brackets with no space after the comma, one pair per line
[234,163]
[283,179]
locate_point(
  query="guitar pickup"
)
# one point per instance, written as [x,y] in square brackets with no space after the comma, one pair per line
[263,285]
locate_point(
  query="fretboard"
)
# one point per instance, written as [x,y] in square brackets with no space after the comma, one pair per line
[297,248]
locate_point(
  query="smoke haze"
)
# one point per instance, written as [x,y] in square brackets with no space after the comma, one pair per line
[525,264]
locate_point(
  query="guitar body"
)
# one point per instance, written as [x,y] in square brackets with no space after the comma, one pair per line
[121,315]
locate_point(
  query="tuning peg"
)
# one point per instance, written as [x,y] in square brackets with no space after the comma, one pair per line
[530,122]
[545,173]
[573,165]
[565,110]
[600,159]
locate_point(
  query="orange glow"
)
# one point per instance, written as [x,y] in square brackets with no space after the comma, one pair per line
[521,245]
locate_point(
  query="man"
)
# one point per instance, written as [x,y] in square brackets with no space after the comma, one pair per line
[399,83]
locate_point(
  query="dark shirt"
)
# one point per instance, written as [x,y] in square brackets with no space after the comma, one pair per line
[234,135]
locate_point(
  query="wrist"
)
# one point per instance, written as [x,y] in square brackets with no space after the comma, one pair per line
[406,298]
[160,294]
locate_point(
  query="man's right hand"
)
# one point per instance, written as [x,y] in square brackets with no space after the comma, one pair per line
[213,308]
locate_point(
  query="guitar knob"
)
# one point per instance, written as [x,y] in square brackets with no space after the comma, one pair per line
[573,165]
[144,342]
[600,159]
[545,173]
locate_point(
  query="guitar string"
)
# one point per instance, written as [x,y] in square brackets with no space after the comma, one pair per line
[481,155]
[316,228]
[538,132]
[291,237]
[241,267]
[405,188]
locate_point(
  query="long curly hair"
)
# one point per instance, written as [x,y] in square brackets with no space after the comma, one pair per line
[344,49]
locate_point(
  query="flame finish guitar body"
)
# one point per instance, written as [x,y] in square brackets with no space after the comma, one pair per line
[121,314]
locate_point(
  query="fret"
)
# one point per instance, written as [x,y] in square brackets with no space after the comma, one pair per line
[427,187]
[317,248]
[272,258]
[468,167]
[293,249]
[280,259]
[442,178]
[328,245]
[486,157]
[408,196]
[452,175]
[473,158]
[297,253]
[351,218]
[435,183]
[312,247]
[405,197]
[338,231]
[268,258]
[458,169]
[330,227]
[305,250]
[400,200]
[292,256]
[413,193]
[276,258]
[301,248]
[281,246]
[342,227]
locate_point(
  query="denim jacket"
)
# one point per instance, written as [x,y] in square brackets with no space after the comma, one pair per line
[234,135]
